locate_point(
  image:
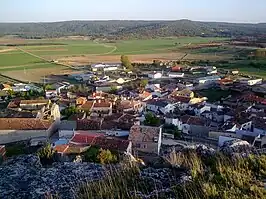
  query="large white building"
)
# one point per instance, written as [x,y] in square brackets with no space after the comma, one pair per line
[208,79]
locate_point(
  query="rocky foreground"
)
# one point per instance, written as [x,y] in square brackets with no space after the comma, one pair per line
[25,177]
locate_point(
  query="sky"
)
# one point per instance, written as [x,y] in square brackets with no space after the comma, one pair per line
[199,10]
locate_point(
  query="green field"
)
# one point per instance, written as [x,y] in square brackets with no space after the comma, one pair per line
[16,59]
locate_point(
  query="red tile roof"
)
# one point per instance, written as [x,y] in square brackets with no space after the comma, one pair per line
[145,95]
[24,124]
[192,120]
[34,101]
[98,139]
[87,105]
[85,139]
[102,104]
[181,99]
[89,124]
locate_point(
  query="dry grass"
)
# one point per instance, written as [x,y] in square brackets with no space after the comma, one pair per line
[36,75]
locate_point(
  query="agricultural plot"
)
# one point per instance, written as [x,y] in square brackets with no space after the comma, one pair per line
[33,55]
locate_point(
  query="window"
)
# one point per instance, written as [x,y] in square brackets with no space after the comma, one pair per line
[144,146]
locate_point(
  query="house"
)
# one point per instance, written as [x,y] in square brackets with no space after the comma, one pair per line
[146,139]
[155,75]
[208,79]
[160,106]
[181,102]
[176,68]
[145,96]
[234,72]
[176,75]
[86,107]
[106,66]
[34,104]
[44,108]
[250,82]
[211,70]
[20,129]
[153,87]
[130,106]
[184,93]
[199,108]
[193,125]
[101,108]
[25,87]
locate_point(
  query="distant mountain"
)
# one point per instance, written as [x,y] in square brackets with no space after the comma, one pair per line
[129,29]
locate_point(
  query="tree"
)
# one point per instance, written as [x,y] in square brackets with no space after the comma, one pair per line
[151,120]
[126,62]
[172,129]
[48,87]
[46,154]
[71,110]
[91,155]
[106,157]
[113,90]
[143,83]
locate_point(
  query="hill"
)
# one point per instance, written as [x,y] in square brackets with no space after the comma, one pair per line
[131,29]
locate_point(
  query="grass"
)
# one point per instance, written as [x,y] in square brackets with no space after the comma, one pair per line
[249,67]
[28,67]
[214,176]
[17,59]
[214,95]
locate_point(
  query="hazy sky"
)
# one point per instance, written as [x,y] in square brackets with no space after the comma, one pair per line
[201,10]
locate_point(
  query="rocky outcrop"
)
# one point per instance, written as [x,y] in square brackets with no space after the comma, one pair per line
[24,177]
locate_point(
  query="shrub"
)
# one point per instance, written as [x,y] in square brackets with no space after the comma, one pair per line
[91,155]
[106,157]
[46,154]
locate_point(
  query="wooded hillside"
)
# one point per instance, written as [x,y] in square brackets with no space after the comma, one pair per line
[131,29]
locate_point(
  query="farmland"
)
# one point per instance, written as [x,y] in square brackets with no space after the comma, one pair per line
[31,55]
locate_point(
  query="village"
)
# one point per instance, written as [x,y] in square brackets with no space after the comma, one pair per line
[144,114]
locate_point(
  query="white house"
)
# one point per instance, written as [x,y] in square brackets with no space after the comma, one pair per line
[155,75]
[208,79]
[106,66]
[153,87]
[160,106]
[251,82]
[176,75]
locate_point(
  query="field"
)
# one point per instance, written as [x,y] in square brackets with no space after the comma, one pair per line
[20,57]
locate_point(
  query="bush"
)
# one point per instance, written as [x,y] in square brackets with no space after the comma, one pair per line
[91,155]
[151,120]
[106,157]
[46,154]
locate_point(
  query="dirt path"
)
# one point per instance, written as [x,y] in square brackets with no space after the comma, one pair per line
[7,50]
[106,46]
[44,59]
[25,65]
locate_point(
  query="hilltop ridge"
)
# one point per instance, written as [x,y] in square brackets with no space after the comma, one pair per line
[122,29]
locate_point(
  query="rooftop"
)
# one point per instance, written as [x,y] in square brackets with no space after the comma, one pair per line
[34,102]
[192,120]
[24,124]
